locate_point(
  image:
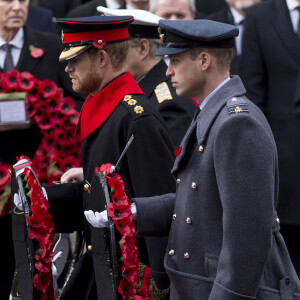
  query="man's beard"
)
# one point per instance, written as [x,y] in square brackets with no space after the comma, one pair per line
[87,84]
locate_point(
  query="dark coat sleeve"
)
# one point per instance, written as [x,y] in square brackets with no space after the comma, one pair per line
[153,152]
[65,206]
[242,144]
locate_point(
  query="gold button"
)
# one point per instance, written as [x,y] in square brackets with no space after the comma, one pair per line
[178,180]
[238,110]
[188,220]
[278,221]
[171,252]
[186,255]
[174,217]
[194,186]
[233,99]
[99,42]
[86,187]
[201,149]
[90,248]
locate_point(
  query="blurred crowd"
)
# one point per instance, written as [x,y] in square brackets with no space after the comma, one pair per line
[266,57]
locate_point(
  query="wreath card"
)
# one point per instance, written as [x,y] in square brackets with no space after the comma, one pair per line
[13,114]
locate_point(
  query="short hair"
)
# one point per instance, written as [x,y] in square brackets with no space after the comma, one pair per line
[223,56]
[154,44]
[117,52]
[152,5]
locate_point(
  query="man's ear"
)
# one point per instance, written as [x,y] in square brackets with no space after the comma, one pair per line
[102,58]
[205,60]
[144,48]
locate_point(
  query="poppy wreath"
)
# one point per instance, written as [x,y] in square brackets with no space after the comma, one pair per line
[135,283]
[56,118]
[41,233]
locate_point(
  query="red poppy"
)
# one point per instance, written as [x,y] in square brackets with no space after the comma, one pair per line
[130,274]
[177,151]
[125,226]
[126,289]
[67,104]
[116,183]
[10,80]
[118,212]
[106,168]
[71,119]
[36,52]
[48,89]
[146,288]
[45,121]
[26,81]
[99,42]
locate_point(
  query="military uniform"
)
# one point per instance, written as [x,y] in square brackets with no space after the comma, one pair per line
[176,111]
[224,236]
[145,170]
[221,213]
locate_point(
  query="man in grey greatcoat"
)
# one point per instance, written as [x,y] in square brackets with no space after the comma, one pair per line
[224,234]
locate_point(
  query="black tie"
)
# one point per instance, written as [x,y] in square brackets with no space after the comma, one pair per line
[8,62]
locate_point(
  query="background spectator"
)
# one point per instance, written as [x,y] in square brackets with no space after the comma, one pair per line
[234,13]
[59,8]
[209,6]
[13,15]
[173,9]
[270,65]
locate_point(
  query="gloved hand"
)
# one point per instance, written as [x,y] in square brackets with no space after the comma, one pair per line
[96,219]
[18,202]
[100,220]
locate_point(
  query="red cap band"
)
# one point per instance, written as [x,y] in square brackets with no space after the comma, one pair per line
[108,35]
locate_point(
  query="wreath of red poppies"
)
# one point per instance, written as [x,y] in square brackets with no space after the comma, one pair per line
[56,118]
[41,233]
[135,283]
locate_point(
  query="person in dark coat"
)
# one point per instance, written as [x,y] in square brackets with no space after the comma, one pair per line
[40,19]
[90,8]
[209,6]
[174,9]
[115,109]
[59,8]
[25,141]
[270,66]
[149,71]
[224,235]
[234,13]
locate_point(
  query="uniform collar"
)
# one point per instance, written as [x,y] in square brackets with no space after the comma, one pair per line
[96,109]
[154,77]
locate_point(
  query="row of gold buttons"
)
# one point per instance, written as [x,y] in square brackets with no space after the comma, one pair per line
[185,255]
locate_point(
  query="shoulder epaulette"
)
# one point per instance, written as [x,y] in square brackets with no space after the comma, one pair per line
[162,92]
[237,105]
[133,103]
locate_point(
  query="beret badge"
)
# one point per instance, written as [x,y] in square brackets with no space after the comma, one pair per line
[161,35]
[99,42]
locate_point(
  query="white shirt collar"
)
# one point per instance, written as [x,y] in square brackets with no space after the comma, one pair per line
[292,4]
[236,16]
[17,41]
[213,92]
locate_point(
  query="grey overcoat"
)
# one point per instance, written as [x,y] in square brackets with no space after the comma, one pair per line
[224,239]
